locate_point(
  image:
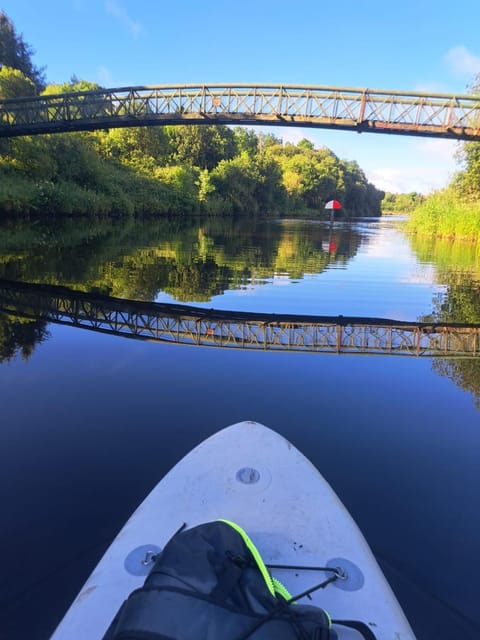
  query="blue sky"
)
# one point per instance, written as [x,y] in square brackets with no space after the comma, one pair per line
[410,45]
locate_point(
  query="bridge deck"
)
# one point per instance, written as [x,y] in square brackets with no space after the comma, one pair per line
[362,110]
[181,324]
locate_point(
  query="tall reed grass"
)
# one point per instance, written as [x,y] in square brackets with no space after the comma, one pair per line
[445,214]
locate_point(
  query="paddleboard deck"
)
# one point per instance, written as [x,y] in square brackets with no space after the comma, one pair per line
[251,475]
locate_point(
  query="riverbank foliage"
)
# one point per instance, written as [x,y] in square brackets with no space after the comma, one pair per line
[401,203]
[158,170]
[454,211]
[448,213]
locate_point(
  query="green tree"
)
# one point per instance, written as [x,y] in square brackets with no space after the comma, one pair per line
[305,145]
[236,182]
[246,140]
[313,179]
[139,147]
[67,157]
[74,85]
[468,182]
[15,53]
[18,335]
[203,146]
[75,159]
[15,84]
[270,192]
[401,202]
[205,186]
[464,373]
[266,140]
[183,180]
[361,198]
[30,156]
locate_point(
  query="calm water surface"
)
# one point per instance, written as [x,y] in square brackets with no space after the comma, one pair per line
[91,422]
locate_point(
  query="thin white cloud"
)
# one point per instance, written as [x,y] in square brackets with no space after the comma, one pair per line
[417,164]
[422,178]
[386,247]
[120,13]
[293,134]
[436,150]
[387,179]
[462,63]
[432,87]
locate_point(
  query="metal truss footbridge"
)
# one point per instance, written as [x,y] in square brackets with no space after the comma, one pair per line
[363,110]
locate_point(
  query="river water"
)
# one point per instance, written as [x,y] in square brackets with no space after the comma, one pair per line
[90,422]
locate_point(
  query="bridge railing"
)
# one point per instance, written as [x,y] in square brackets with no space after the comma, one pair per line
[181,324]
[380,111]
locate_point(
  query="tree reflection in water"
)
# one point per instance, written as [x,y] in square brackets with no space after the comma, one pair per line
[20,336]
[190,259]
[458,268]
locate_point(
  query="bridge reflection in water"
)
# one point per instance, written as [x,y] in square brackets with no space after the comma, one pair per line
[181,324]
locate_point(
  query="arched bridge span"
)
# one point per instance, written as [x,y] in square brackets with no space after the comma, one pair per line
[181,324]
[361,110]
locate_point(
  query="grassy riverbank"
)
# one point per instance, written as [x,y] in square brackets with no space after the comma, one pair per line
[177,170]
[93,188]
[446,215]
